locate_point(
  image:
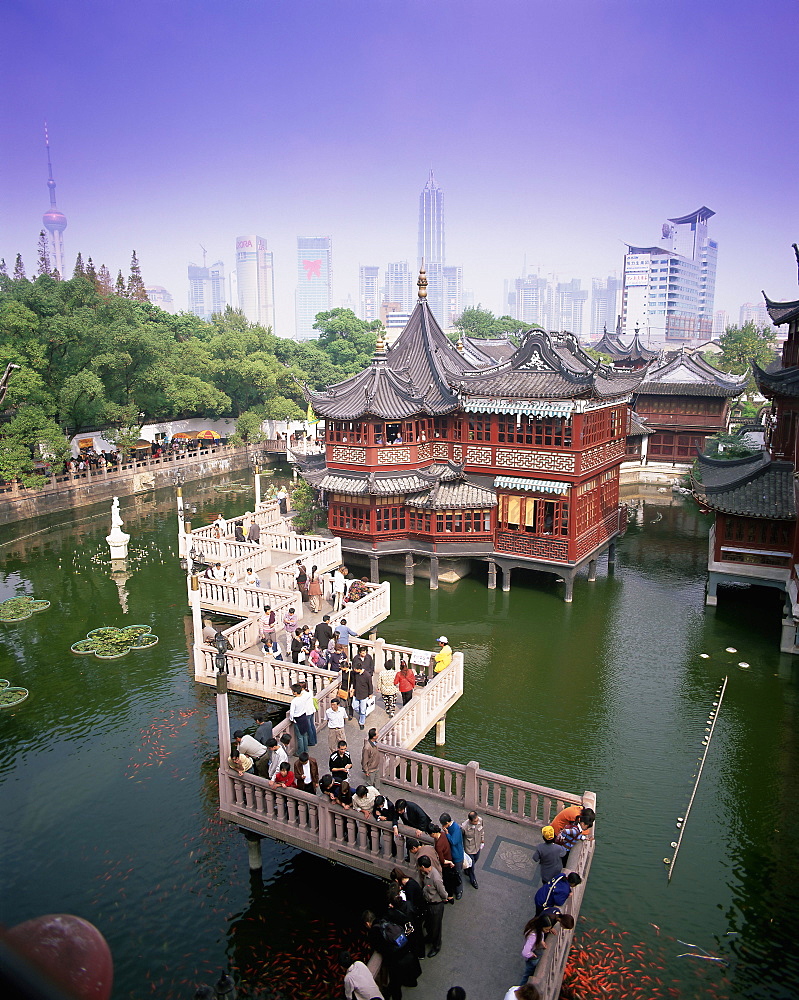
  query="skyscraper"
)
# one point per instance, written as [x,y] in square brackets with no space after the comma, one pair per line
[528,300]
[431,244]
[669,289]
[255,279]
[207,289]
[453,295]
[604,305]
[399,285]
[570,299]
[55,222]
[368,292]
[314,282]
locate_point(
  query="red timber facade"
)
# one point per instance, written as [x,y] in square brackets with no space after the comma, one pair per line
[435,451]
[754,537]
[683,402]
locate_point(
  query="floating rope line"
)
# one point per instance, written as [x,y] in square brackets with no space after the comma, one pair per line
[683,822]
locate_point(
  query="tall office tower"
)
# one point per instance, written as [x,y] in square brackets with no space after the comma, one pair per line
[255,279]
[399,286]
[721,320]
[527,301]
[669,289]
[604,305]
[431,244]
[368,292]
[55,222]
[570,299]
[207,289]
[453,295]
[754,312]
[314,283]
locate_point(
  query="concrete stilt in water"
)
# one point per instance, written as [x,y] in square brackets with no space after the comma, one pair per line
[257,487]
[441,732]
[569,592]
[434,572]
[492,575]
[181,532]
[253,850]
[506,571]
[374,568]
[408,569]
[712,585]
[611,558]
[592,571]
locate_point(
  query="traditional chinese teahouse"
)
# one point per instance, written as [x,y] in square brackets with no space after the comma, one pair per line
[435,451]
[754,538]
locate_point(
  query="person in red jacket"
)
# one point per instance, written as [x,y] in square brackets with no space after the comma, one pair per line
[284,777]
[406,682]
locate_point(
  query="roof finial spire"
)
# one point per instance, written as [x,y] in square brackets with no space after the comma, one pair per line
[422,282]
[796,251]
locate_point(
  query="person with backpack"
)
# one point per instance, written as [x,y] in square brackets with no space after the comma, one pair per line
[391,942]
[556,891]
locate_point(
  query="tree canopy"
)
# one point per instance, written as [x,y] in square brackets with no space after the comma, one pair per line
[483,324]
[741,345]
[94,357]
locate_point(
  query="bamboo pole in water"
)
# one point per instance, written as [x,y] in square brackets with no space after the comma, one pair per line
[698,777]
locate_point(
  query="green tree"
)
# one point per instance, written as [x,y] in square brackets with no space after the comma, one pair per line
[741,345]
[19,268]
[483,324]
[727,447]
[119,288]
[106,284]
[79,269]
[136,289]
[81,402]
[248,427]
[43,253]
[305,507]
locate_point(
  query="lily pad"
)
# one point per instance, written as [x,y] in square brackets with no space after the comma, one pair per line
[10,697]
[17,609]
[111,643]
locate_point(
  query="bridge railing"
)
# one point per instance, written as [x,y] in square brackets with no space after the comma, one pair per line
[263,676]
[373,607]
[324,553]
[238,599]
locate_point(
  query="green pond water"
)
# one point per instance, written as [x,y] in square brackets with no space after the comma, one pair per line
[108,770]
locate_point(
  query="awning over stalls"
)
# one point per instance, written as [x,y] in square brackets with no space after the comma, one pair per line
[208,435]
[531,485]
[185,436]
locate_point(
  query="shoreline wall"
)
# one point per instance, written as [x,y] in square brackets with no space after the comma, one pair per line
[81,489]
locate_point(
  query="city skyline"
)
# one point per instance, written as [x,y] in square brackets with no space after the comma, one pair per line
[134,172]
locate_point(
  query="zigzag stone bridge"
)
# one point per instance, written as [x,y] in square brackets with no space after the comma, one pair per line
[482,932]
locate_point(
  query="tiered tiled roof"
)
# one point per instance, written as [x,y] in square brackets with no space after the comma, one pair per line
[545,367]
[690,375]
[776,381]
[750,487]
[413,376]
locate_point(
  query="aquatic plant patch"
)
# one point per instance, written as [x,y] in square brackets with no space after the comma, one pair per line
[17,609]
[111,643]
[10,697]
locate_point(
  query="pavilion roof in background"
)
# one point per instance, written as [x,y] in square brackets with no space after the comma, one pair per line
[754,486]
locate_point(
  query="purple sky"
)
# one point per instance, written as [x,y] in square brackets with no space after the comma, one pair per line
[556,130]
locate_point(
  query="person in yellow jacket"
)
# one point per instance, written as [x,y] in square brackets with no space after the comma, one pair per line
[443,657]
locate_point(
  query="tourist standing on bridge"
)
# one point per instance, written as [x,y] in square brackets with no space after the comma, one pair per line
[442,848]
[549,855]
[323,633]
[282,501]
[315,594]
[279,753]
[298,714]
[359,983]
[238,533]
[306,773]
[340,763]
[339,589]
[361,692]
[385,685]
[365,659]
[555,892]
[251,578]
[370,758]
[566,817]
[535,933]
[254,533]
[435,895]
[344,634]
[455,838]
[473,843]
[405,680]
[264,731]
[267,631]
[580,830]
[336,717]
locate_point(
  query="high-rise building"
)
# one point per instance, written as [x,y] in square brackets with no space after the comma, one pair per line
[55,222]
[453,295]
[207,289]
[721,320]
[399,286]
[605,305]
[569,301]
[527,300]
[314,282]
[368,292]
[669,289]
[159,296]
[255,280]
[431,249]
[754,312]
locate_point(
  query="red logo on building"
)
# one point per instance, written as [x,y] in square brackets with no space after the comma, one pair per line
[313,268]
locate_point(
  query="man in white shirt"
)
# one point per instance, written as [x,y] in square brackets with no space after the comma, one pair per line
[279,755]
[339,589]
[251,579]
[217,573]
[253,748]
[359,983]
[336,717]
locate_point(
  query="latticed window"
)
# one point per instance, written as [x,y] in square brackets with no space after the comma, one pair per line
[419,521]
[390,518]
[480,428]
[534,515]
[603,425]
[347,431]
[350,517]
[462,522]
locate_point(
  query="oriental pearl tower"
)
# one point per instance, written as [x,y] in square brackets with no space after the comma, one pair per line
[55,222]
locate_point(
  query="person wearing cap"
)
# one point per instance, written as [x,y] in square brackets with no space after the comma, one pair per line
[443,657]
[549,855]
